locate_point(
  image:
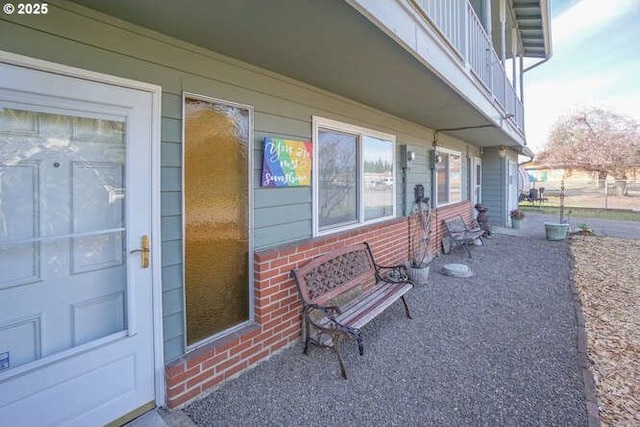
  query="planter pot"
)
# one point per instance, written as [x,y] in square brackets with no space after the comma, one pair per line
[418,275]
[556,231]
[516,223]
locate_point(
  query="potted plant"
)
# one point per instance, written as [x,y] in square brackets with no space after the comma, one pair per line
[584,230]
[419,238]
[516,218]
[558,230]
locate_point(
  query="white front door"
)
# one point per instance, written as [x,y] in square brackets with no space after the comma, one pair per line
[476,182]
[76,323]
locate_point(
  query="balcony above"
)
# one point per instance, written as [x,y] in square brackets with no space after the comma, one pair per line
[532,21]
[388,54]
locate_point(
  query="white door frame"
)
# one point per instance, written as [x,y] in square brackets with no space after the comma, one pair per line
[156,268]
[512,187]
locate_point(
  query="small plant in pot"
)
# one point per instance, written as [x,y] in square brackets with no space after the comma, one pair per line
[516,218]
[584,230]
[558,230]
[419,238]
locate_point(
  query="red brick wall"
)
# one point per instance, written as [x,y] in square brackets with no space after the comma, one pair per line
[276,308]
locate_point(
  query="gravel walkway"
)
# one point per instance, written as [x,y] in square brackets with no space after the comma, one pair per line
[499,348]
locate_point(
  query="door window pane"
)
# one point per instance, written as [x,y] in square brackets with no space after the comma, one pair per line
[455,178]
[442,177]
[62,236]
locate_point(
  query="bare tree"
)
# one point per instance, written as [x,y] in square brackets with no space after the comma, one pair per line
[594,140]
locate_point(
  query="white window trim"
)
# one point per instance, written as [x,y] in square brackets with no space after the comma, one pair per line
[435,193]
[324,123]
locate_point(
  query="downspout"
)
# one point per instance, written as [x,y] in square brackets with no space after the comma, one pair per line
[514,49]
[536,64]
[521,78]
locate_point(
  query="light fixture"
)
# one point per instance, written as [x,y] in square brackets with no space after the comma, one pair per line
[480,151]
[502,151]
[411,156]
[504,117]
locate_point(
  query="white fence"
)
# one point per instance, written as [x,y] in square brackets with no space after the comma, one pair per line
[610,194]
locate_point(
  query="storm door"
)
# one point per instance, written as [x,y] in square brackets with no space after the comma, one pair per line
[76,342]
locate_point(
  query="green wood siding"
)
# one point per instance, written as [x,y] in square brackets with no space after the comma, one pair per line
[79,37]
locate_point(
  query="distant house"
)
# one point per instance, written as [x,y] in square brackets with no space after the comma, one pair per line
[543,173]
[164,165]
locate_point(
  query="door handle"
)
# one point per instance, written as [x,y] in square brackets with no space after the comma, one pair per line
[144,251]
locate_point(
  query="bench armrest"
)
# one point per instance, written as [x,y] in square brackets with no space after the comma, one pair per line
[329,310]
[392,274]
[474,226]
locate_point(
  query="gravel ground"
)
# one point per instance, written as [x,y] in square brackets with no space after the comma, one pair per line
[607,276]
[499,348]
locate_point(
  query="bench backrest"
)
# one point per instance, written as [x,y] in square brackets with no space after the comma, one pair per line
[334,273]
[455,224]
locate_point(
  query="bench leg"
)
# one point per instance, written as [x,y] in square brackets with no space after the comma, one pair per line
[406,307]
[307,335]
[466,246]
[336,348]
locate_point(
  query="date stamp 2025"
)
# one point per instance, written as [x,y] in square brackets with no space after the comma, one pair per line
[26,8]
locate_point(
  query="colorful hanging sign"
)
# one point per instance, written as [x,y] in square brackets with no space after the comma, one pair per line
[286,163]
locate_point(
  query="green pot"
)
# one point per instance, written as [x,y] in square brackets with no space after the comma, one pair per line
[516,223]
[556,231]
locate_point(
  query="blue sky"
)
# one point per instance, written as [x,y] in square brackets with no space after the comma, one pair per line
[595,62]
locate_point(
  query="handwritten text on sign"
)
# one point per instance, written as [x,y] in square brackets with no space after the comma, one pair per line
[286,163]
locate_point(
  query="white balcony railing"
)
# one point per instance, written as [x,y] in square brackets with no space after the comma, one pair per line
[458,23]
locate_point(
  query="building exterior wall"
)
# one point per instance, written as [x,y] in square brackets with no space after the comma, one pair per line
[283,107]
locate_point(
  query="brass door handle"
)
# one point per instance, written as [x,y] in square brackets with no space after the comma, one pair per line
[144,251]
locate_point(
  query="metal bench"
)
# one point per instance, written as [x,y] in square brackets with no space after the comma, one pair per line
[459,233]
[342,291]
[536,195]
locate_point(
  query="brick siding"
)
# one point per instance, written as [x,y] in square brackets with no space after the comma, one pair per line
[277,307]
